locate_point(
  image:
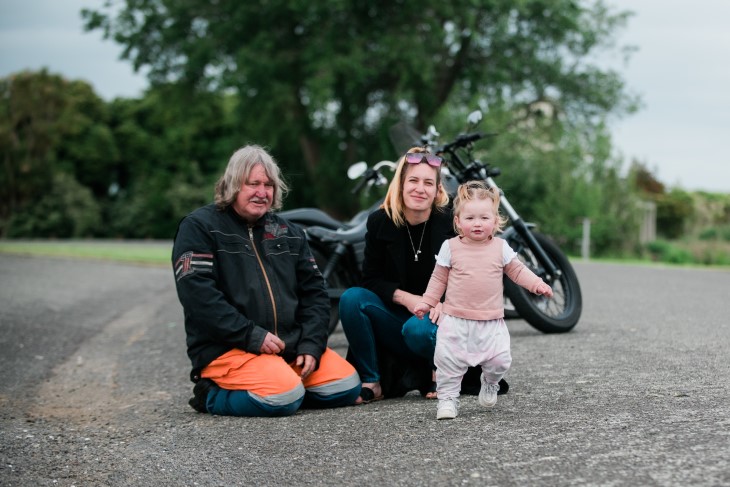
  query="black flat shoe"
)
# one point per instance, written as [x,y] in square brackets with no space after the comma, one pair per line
[368,395]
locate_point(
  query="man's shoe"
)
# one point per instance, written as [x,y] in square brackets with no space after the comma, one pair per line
[200,395]
[448,409]
[488,394]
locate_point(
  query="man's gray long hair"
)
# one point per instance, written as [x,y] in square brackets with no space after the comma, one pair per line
[239,168]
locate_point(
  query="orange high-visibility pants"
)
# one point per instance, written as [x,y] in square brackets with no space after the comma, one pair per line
[270,378]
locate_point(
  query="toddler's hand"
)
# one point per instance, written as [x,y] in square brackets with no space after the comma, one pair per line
[544,289]
[421,309]
[435,313]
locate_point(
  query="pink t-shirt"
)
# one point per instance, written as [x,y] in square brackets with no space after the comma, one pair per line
[471,274]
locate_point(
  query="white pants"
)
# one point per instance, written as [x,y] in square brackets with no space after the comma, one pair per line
[462,343]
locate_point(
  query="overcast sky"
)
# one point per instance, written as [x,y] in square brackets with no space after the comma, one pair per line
[681,70]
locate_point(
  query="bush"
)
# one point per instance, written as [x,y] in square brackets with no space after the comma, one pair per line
[674,211]
[663,251]
[154,208]
[709,234]
[712,253]
[716,233]
[67,210]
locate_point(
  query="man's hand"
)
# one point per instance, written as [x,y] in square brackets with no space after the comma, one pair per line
[307,363]
[272,344]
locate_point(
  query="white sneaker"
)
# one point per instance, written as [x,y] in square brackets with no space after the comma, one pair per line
[488,394]
[448,409]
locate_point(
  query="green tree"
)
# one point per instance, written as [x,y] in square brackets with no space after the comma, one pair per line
[31,106]
[645,179]
[171,151]
[52,132]
[317,81]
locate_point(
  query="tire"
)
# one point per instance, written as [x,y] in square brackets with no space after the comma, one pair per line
[510,313]
[558,314]
[336,284]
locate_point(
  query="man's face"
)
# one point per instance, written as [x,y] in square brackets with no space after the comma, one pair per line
[256,195]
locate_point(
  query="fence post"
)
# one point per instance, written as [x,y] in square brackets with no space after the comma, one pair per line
[647,233]
[585,245]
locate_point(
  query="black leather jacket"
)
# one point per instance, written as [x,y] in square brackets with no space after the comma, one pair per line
[237,282]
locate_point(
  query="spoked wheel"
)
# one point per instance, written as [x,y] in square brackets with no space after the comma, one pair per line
[558,314]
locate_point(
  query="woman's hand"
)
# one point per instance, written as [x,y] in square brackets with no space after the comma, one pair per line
[272,344]
[406,299]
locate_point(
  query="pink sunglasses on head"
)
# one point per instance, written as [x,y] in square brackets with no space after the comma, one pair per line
[418,157]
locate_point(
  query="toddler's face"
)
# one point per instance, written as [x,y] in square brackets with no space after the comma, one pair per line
[477,219]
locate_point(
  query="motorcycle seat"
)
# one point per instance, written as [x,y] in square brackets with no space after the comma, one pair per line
[345,235]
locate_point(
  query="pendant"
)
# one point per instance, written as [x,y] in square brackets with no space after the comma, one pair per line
[416,256]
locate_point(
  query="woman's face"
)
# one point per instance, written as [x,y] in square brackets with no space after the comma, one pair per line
[419,187]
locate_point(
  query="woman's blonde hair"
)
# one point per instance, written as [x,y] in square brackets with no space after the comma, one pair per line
[478,190]
[239,169]
[393,203]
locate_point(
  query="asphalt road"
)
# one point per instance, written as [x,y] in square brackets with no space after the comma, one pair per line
[95,389]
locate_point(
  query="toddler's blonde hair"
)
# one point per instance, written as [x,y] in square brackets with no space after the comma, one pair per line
[478,190]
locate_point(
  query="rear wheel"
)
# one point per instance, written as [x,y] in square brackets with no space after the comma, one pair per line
[558,314]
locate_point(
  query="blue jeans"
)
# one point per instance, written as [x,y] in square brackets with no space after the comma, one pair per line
[368,323]
[223,402]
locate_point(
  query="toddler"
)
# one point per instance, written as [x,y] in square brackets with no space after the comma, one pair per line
[469,268]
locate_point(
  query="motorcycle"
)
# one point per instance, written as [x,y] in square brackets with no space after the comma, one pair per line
[541,255]
[338,247]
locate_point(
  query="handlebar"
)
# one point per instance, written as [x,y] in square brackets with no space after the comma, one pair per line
[363,181]
[373,175]
[462,140]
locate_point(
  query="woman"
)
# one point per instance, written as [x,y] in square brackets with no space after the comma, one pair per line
[392,349]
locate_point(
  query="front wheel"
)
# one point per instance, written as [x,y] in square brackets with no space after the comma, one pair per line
[558,314]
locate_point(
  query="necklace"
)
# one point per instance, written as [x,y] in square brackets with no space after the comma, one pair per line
[416,252]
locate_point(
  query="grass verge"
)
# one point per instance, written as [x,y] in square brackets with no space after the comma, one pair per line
[155,252]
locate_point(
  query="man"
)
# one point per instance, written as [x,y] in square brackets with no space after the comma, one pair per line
[256,308]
